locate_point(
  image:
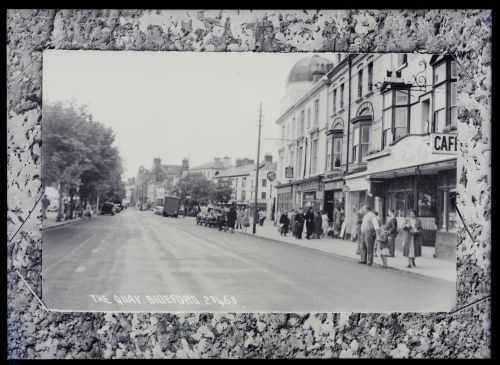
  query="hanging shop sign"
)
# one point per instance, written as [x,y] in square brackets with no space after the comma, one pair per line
[289,172]
[271,175]
[444,143]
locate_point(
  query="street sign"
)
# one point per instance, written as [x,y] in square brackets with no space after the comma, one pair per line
[289,172]
[271,175]
[444,143]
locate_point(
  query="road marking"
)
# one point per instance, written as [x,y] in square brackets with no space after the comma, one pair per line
[80,269]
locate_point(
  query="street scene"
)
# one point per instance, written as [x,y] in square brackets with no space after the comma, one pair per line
[329,189]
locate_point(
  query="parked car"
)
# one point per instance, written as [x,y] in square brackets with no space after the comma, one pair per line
[158,209]
[107,208]
[213,218]
[200,217]
[117,208]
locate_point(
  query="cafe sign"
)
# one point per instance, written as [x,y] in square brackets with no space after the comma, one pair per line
[444,143]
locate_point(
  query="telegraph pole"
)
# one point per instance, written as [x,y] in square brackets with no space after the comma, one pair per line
[255,216]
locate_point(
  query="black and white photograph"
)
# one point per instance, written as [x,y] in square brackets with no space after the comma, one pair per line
[249,182]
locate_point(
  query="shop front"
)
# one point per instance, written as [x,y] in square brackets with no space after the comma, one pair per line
[309,193]
[357,193]
[427,189]
[284,199]
[334,196]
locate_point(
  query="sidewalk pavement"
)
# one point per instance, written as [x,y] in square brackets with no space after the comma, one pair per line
[426,265]
[50,222]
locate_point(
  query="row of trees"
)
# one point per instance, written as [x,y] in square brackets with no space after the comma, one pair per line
[78,156]
[194,189]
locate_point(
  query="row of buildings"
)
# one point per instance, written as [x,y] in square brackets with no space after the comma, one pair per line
[376,129]
[153,184]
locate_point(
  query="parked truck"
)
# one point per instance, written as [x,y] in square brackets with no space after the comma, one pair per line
[171,206]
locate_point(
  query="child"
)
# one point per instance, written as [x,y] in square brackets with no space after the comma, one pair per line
[383,244]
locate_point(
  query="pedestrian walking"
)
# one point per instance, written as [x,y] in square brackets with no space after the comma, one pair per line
[379,220]
[412,246]
[325,223]
[392,227]
[299,224]
[358,219]
[309,217]
[88,211]
[246,219]
[369,226]
[231,218]
[262,217]
[45,205]
[284,223]
[383,243]
[337,220]
[318,225]
[291,219]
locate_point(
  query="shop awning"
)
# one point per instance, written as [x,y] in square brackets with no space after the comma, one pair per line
[425,169]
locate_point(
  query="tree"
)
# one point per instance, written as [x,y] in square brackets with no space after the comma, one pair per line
[196,187]
[78,156]
[222,192]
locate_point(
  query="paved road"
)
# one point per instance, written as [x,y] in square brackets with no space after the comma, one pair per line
[138,261]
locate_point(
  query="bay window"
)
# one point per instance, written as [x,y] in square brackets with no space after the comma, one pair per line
[396,115]
[444,94]
[337,151]
[316,112]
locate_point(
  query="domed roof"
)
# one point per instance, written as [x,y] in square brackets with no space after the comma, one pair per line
[304,69]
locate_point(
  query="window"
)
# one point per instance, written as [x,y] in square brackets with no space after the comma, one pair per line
[314,156]
[370,76]
[360,83]
[395,124]
[243,182]
[355,145]
[361,142]
[302,117]
[299,165]
[335,101]
[263,195]
[329,154]
[243,194]
[308,118]
[292,158]
[445,95]
[337,151]
[283,135]
[236,183]
[341,101]
[365,140]
[294,126]
[316,112]
[264,183]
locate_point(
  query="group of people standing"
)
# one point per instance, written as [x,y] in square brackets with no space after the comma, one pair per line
[315,222]
[372,236]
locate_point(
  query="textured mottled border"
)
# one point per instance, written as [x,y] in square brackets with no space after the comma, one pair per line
[35,333]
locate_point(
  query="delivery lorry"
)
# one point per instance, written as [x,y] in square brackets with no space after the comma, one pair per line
[171,205]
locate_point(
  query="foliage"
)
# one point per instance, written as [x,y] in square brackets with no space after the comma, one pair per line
[195,189]
[78,152]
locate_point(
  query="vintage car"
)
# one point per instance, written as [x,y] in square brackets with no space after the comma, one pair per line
[200,217]
[107,208]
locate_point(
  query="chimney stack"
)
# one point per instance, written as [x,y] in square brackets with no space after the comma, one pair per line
[268,158]
[227,161]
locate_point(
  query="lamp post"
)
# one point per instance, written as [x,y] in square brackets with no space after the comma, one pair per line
[257,174]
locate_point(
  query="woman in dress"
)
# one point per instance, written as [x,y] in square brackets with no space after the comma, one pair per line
[413,238]
[392,228]
[246,219]
[325,223]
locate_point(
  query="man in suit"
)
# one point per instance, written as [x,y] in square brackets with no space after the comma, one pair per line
[369,227]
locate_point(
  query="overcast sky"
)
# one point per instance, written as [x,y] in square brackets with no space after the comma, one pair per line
[173,105]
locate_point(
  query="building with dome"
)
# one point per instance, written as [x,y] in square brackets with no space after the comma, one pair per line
[374,129]
[302,77]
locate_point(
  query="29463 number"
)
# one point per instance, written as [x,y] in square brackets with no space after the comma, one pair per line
[225,300]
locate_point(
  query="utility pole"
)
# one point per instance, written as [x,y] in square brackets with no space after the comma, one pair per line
[257,173]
